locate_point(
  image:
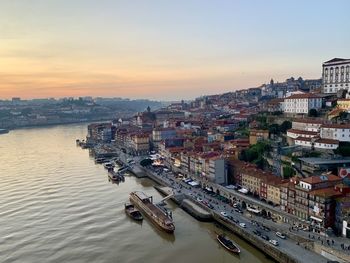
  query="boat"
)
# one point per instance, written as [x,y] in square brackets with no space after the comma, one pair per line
[115,176]
[108,165]
[131,211]
[4,131]
[228,244]
[159,216]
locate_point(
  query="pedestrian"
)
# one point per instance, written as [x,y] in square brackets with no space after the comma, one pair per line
[322,242]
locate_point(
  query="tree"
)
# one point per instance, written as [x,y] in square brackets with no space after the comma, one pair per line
[288,172]
[274,129]
[146,162]
[343,115]
[343,149]
[313,113]
[286,125]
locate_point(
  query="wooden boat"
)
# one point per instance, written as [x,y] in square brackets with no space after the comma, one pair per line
[228,244]
[157,215]
[131,211]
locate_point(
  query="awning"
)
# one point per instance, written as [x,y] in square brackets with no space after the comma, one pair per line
[317,219]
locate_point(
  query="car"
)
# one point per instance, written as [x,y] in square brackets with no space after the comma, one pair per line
[280,235]
[242,225]
[255,223]
[210,206]
[265,237]
[199,199]
[234,205]
[235,221]
[257,232]
[239,210]
[224,214]
[274,242]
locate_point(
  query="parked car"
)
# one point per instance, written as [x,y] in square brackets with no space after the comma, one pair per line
[280,235]
[223,214]
[242,225]
[239,210]
[210,206]
[235,221]
[274,242]
[265,237]
[257,232]
[199,199]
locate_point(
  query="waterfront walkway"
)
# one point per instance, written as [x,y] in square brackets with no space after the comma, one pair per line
[299,251]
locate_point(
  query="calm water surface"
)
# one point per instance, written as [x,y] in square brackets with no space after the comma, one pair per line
[56,205]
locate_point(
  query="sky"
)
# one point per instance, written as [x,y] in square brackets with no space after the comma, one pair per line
[163,49]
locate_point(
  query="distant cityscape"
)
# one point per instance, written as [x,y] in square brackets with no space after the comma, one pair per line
[16,113]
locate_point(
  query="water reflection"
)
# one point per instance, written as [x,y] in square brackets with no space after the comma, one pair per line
[57,206]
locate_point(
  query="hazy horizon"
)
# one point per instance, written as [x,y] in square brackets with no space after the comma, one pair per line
[163,50]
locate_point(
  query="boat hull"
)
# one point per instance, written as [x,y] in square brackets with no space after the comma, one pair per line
[234,250]
[149,212]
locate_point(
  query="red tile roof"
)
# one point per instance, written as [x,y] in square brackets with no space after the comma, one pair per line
[336,126]
[303,96]
[302,132]
[318,179]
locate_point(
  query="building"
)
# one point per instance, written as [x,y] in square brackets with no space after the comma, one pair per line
[307,124]
[343,104]
[140,143]
[218,170]
[160,134]
[314,165]
[302,103]
[258,135]
[335,75]
[317,143]
[340,132]
[274,191]
[314,200]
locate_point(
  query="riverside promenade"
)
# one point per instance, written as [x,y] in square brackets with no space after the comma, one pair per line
[295,248]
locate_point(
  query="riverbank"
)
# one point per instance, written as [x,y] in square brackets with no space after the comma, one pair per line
[289,253]
[287,250]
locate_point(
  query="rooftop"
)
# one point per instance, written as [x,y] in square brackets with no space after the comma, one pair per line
[302,132]
[317,160]
[321,178]
[303,96]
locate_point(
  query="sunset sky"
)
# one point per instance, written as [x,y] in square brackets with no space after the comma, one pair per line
[164,49]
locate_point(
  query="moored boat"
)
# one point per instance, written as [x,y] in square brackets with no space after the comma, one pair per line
[228,244]
[158,216]
[4,131]
[131,211]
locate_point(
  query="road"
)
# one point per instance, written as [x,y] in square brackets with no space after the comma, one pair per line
[288,246]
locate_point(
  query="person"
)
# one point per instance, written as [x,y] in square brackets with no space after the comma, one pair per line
[332,242]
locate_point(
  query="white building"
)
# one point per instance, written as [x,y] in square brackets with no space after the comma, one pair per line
[317,143]
[302,103]
[335,75]
[293,133]
[340,132]
[307,124]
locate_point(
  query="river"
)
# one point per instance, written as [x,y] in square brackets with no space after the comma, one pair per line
[57,205]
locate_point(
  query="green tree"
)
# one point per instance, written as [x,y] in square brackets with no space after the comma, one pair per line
[288,172]
[313,113]
[286,125]
[146,162]
[343,149]
[274,129]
